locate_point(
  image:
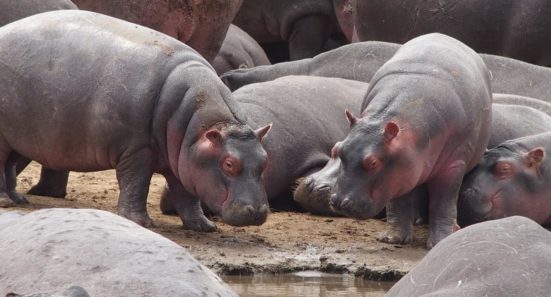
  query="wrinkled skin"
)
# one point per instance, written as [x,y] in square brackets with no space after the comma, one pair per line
[399,143]
[239,50]
[511,179]
[292,102]
[503,258]
[511,28]
[512,117]
[306,25]
[201,24]
[360,61]
[99,251]
[176,119]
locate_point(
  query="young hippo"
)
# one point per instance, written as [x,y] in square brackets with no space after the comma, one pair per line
[132,99]
[14,10]
[511,179]
[426,120]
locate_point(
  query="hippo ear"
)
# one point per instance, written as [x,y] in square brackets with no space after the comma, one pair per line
[214,136]
[263,131]
[535,157]
[352,119]
[391,130]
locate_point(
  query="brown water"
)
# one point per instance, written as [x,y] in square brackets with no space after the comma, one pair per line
[305,284]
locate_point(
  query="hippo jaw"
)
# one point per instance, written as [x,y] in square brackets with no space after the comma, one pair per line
[473,206]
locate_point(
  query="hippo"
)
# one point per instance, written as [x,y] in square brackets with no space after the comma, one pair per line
[425,120]
[360,61]
[306,25]
[511,179]
[72,291]
[503,258]
[14,10]
[106,254]
[288,103]
[239,50]
[512,117]
[201,24]
[91,106]
[511,28]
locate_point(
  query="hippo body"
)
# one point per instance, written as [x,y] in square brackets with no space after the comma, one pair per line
[134,100]
[306,25]
[199,24]
[426,120]
[73,291]
[503,258]
[105,254]
[511,179]
[512,117]
[239,50]
[511,28]
[14,10]
[360,61]
[287,102]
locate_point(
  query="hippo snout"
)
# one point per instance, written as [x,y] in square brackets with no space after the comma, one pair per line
[348,207]
[245,215]
[472,207]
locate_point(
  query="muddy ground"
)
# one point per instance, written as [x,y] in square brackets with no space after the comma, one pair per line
[287,242]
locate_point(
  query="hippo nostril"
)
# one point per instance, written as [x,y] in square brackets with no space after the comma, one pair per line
[249,210]
[346,203]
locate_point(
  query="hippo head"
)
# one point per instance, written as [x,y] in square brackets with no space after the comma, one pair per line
[500,185]
[377,164]
[224,169]
[314,191]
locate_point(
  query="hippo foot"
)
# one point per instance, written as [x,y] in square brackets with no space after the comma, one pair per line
[14,197]
[140,218]
[436,237]
[393,236]
[42,190]
[6,202]
[201,224]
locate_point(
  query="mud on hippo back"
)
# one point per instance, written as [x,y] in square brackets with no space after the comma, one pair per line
[95,109]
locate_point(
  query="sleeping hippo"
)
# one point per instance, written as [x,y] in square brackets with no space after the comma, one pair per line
[512,117]
[313,104]
[503,258]
[14,10]
[107,255]
[132,99]
[201,24]
[360,61]
[425,120]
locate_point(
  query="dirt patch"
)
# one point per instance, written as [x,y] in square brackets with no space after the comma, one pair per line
[287,242]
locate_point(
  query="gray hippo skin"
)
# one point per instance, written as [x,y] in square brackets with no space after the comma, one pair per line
[426,120]
[131,99]
[73,291]
[510,257]
[511,179]
[239,50]
[305,24]
[360,61]
[512,117]
[201,24]
[288,103]
[11,10]
[101,252]
[512,28]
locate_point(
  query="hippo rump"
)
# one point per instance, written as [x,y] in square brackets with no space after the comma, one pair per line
[131,99]
[307,113]
[503,258]
[425,120]
[14,10]
[306,25]
[201,24]
[103,253]
[512,28]
[239,50]
[512,117]
[511,179]
[360,61]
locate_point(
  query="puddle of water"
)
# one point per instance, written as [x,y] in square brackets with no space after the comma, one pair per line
[305,284]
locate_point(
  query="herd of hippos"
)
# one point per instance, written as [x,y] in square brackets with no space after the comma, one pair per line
[428,129]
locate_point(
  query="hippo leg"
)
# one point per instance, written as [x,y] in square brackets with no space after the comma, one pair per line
[308,37]
[167,208]
[443,193]
[52,183]
[400,215]
[188,207]
[134,176]
[9,182]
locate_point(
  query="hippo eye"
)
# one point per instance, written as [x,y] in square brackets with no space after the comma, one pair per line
[370,163]
[231,167]
[503,170]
